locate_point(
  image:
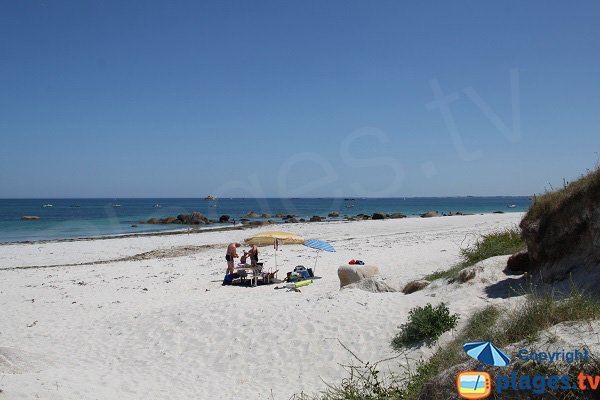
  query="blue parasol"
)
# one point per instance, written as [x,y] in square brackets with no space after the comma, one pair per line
[319,245]
[487,353]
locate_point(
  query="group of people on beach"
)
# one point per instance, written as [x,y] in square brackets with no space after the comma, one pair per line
[231,255]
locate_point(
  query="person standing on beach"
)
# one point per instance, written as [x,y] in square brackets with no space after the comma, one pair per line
[230,255]
[253,253]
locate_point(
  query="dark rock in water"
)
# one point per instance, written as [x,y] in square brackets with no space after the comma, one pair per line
[301,220]
[498,212]
[430,214]
[134,226]
[456,213]
[256,223]
[252,214]
[279,215]
[397,215]
[30,217]
[195,218]
[198,219]
[518,263]
[265,216]
[244,220]
[291,221]
[316,218]
[224,218]
[378,216]
[333,214]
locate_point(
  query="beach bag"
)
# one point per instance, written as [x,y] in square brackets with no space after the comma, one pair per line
[304,274]
[228,280]
[302,271]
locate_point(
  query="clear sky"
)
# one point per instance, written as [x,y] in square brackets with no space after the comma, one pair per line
[296,98]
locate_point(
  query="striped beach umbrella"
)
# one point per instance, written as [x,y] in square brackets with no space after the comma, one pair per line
[487,353]
[319,245]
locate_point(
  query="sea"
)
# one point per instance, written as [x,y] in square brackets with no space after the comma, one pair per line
[84,218]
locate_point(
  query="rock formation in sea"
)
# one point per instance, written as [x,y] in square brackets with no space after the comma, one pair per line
[194,218]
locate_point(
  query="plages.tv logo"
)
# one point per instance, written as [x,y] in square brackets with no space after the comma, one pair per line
[474,385]
[478,384]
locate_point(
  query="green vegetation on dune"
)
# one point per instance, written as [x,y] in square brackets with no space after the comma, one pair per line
[425,324]
[549,202]
[507,241]
[539,312]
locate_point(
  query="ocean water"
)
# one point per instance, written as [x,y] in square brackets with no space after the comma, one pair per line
[76,218]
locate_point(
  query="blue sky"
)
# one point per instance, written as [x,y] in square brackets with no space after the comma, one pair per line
[302,99]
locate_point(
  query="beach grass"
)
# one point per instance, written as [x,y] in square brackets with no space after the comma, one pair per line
[538,312]
[499,326]
[547,203]
[507,241]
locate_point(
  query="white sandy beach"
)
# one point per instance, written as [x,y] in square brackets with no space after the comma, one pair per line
[165,328]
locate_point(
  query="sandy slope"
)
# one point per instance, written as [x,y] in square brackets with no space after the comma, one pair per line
[160,328]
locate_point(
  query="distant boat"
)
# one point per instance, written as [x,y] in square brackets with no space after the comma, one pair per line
[512,206]
[116,205]
[47,205]
[75,206]
[210,198]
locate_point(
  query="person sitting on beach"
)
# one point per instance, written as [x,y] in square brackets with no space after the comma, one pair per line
[230,255]
[244,257]
[253,253]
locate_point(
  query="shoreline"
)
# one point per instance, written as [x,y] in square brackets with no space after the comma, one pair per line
[189,229]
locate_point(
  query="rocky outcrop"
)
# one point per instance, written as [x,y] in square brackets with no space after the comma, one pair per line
[372,285]
[224,218]
[30,217]
[252,214]
[194,218]
[333,214]
[562,232]
[518,263]
[378,216]
[396,215]
[316,218]
[349,274]
[415,286]
[431,214]
[256,223]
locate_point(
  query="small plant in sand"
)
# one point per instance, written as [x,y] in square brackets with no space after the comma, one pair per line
[425,324]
